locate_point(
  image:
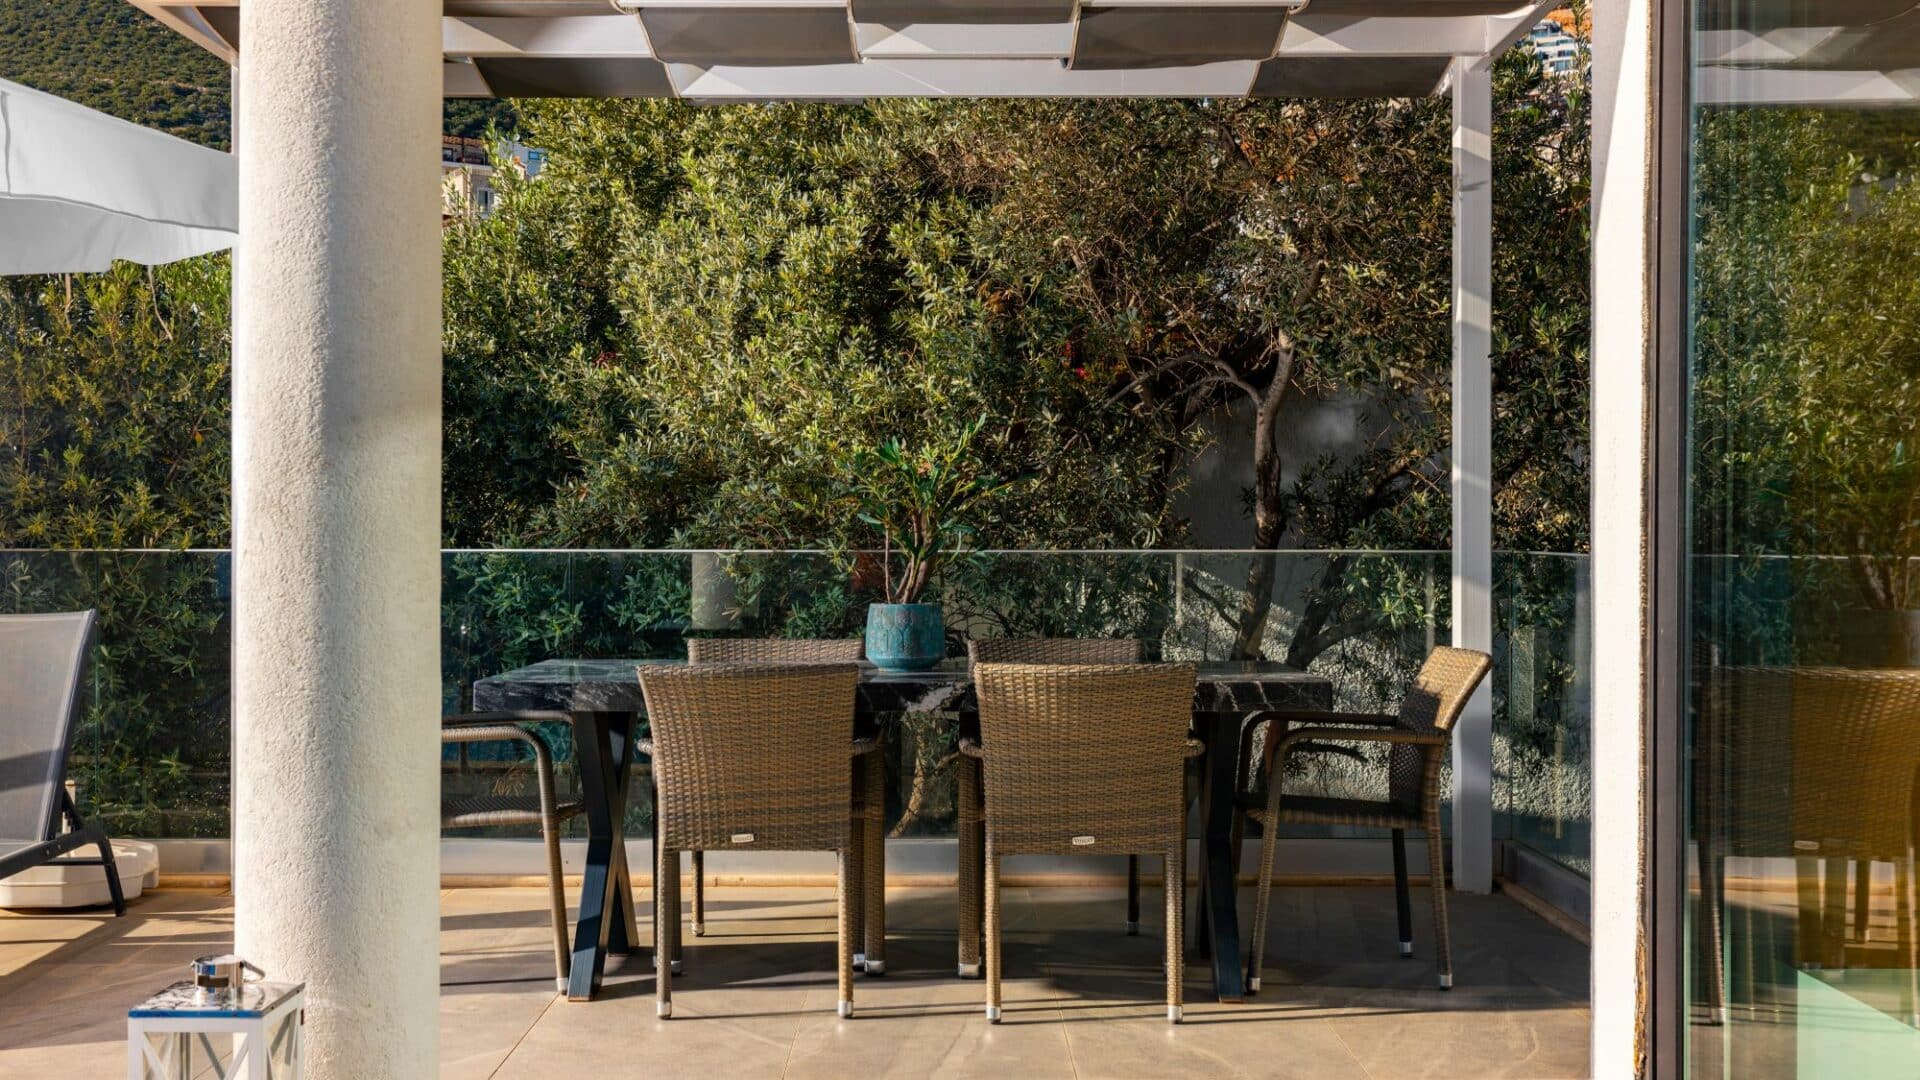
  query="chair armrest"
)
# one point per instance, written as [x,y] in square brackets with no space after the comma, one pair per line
[1326,717]
[525,716]
[1284,719]
[1400,736]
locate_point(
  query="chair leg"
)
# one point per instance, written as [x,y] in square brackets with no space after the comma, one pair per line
[1711,948]
[699,894]
[1862,898]
[991,889]
[1833,916]
[1403,903]
[856,869]
[668,956]
[1806,931]
[666,925]
[1907,915]
[873,880]
[1133,896]
[557,900]
[848,889]
[1262,898]
[972,842]
[1437,885]
[1176,890]
[112,870]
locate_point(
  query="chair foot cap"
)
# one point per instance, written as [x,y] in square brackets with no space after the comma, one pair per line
[1446,982]
[1175,1014]
[993,1014]
[876,967]
[676,966]
[664,1010]
[969,971]
[1406,949]
[1133,928]
[1253,985]
[560,985]
[699,929]
[846,1010]
[860,960]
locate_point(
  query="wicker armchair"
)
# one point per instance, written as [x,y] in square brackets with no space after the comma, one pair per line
[1418,737]
[1814,764]
[972,852]
[493,811]
[869,799]
[1085,760]
[751,758]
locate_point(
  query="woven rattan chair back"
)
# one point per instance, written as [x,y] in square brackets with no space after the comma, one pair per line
[1817,760]
[1084,758]
[774,650]
[1052,651]
[1433,703]
[752,756]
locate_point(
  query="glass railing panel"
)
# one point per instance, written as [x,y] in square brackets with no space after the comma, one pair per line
[1542,685]
[150,756]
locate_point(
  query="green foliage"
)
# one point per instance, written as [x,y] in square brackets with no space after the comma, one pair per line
[108,55]
[115,434]
[477,118]
[1807,351]
[716,309]
[920,500]
[115,431]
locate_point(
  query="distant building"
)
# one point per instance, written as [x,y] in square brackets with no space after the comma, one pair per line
[1557,50]
[467,172]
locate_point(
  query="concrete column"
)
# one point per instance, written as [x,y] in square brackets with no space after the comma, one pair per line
[336,532]
[1623,159]
[1473,463]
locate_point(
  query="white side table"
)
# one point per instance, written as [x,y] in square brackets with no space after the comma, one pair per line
[174,1035]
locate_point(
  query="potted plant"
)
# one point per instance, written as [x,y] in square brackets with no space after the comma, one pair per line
[919,500]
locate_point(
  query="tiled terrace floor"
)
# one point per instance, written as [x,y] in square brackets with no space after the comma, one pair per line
[1083,1000]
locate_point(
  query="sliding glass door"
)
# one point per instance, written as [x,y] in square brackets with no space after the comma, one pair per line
[1797,688]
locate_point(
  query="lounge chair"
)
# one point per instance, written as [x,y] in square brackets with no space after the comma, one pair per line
[43,661]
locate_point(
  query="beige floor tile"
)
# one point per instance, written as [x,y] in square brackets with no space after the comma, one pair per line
[1083,999]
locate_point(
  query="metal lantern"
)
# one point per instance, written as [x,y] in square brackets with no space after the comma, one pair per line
[221,1018]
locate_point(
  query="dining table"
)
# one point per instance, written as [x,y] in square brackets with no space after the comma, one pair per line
[604,703]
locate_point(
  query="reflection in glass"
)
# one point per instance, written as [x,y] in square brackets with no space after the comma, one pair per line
[1804,581]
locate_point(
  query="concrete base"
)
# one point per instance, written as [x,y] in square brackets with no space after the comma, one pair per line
[57,887]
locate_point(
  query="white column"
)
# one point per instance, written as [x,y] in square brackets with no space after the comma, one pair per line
[1623,148]
[1473,463]
[336,497]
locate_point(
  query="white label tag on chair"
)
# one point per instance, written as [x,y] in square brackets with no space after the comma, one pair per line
[1082,841]
[743,838]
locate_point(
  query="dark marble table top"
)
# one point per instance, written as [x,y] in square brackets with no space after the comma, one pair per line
[614,686]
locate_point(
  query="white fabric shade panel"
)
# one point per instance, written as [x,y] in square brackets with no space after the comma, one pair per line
[80,189]
[715,51]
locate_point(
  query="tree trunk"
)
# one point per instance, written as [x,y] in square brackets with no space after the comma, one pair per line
[1269,525]
[1307,643]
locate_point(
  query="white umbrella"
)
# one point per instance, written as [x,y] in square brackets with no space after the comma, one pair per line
[79,189]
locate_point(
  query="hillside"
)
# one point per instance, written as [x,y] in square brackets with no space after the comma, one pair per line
[109,56]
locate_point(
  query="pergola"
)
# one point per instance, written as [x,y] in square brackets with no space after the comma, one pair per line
[337,376]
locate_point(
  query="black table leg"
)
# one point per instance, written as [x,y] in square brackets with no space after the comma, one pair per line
[1219,907]
[603,751]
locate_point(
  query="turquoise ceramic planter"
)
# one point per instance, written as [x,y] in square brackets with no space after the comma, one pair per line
[906,637]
